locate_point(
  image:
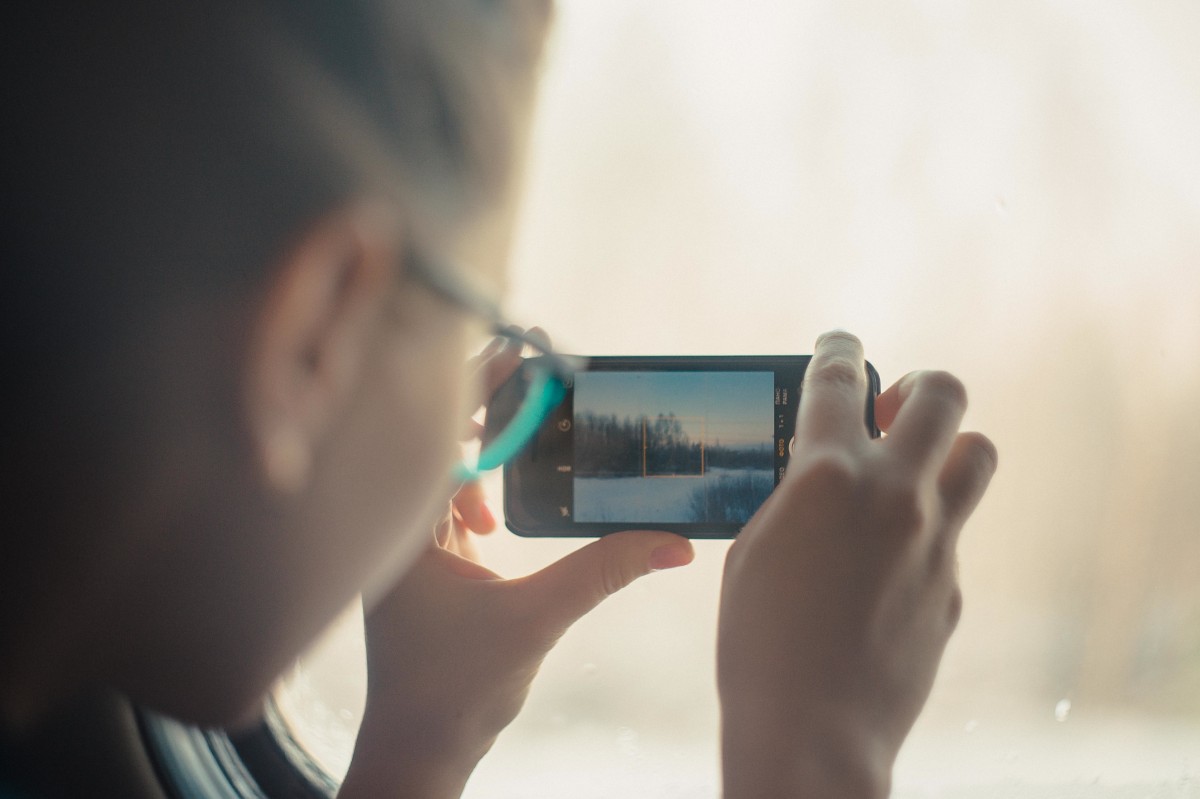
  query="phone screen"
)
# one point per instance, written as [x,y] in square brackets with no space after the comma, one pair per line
[692,444]
[681,447]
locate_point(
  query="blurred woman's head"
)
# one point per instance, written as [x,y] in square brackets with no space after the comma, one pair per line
[228,409]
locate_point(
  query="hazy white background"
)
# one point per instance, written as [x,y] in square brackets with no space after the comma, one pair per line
[1009,190]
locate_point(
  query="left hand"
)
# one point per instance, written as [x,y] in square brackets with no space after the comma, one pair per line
[453,648]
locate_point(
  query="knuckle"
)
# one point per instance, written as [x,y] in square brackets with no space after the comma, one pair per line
[943,557]
[986,456]
[897,506]
[894,506]
[837,371]
[954,607]
[904,511]
[946,385]
[973,471]
[835,472]
[540,337]
[615,575]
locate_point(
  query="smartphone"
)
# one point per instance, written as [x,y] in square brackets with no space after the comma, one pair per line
[689,444]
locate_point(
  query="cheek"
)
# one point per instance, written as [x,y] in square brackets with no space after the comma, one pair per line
[431,400]
[409,446]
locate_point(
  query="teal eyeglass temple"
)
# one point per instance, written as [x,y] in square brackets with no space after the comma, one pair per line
[545,393]
[547,386]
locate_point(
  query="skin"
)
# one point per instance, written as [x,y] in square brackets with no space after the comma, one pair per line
[840,595]
[838,599]
[298,439]
[283,487]
[443,684]
[348,398]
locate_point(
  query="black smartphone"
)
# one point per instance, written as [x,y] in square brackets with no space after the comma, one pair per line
[689,444]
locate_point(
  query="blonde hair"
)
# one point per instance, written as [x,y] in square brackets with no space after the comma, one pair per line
[157,152]
[158,135]
[156,149]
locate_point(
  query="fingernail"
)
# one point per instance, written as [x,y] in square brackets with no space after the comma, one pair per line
[670,556]
[485,513]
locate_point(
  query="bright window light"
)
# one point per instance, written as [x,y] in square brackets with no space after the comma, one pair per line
[1010,191]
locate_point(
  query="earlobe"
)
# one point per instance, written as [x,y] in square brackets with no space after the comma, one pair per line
[311,331]
[286,461]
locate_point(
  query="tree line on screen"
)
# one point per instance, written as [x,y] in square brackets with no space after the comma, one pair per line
[732,497]
[608,446]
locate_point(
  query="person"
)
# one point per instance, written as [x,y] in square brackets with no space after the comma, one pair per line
[234,397]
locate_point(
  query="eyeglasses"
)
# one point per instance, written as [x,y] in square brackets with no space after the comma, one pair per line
[534,392]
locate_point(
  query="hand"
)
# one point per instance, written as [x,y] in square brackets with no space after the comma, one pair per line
[841,593]
[453,648]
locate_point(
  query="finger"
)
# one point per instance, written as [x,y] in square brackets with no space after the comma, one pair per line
[437,560]
[443,528]
[494,346]
[833,397]
[501,364]
[471,504]
[462,542]
[887,404]
[965,477]
[567,589]
[453,533]
[499,368]
[540,336]
[494,365]
[471,431]
[929,407]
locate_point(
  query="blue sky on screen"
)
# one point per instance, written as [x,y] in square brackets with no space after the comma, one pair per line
[737,408]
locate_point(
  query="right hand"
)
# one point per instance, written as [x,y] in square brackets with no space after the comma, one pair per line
[452,648]
[841,593]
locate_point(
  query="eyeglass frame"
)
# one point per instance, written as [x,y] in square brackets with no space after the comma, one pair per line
[553,372]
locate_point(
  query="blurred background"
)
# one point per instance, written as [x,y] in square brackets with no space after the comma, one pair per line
[1010,191]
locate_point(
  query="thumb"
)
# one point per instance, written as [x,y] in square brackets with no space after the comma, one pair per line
[568,588]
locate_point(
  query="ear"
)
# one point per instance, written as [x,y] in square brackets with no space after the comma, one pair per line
[310,335]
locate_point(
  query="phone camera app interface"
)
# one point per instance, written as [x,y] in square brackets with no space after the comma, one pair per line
[692,447]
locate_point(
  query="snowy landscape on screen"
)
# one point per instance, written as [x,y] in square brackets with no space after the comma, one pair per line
[663,447]
[736,493]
